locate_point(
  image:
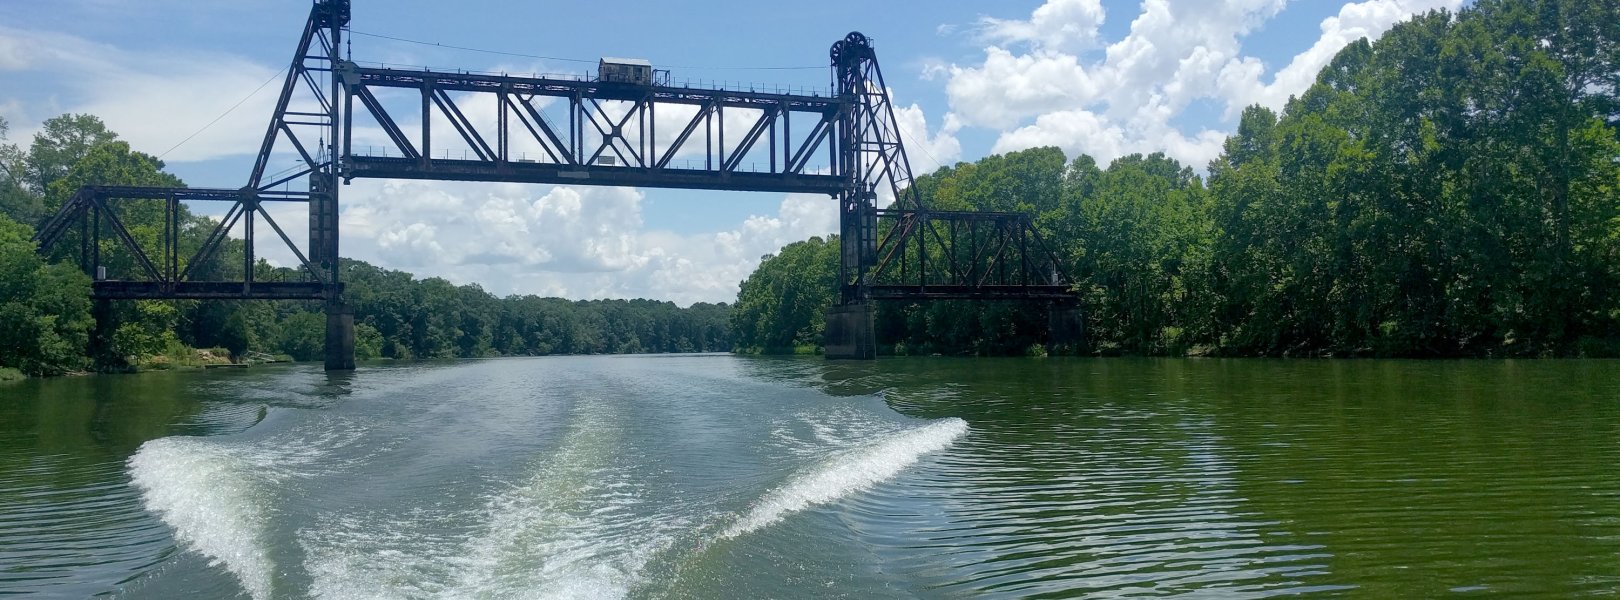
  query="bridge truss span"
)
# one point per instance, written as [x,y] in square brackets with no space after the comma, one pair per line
[573,131]
[170,268]
[341,121]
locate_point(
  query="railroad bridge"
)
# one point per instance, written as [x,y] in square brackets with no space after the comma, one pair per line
[613,131]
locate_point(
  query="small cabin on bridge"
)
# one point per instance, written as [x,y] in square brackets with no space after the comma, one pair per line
[634,71]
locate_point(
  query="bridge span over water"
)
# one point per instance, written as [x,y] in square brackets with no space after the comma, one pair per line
[603,130]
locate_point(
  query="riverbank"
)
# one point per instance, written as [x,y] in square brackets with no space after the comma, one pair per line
[174,360]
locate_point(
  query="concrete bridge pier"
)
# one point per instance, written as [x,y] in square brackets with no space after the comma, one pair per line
[339,336]
[323,251]
[1066,329]
[850,332]
[102,351]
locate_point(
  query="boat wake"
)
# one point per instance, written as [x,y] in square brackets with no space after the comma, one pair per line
[219,497]
[848,472]
[585,522]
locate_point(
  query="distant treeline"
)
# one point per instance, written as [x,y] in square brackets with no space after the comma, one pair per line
[398,316]
[1452,189]
[46,317]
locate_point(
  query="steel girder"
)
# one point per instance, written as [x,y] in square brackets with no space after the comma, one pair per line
[208,290]
[305,122]
[906,250]
[604,134]
[98,213]
[924,254]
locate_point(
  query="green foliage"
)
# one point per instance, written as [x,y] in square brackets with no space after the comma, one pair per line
[147,330]
[368,342]
[60,146]
[1452,189]
[303,336]
[1138,235]
[237,335]
[44,309]
[398,316]
[781,305]
[1447,190]
[16,201]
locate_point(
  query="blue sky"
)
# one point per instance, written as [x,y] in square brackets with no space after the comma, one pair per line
[1103,77]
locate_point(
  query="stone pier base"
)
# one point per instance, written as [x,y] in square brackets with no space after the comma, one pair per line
[850,332]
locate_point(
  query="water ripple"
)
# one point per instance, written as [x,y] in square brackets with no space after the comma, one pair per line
[64,514]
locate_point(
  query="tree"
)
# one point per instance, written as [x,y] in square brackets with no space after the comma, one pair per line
[59,146]
[303,336]
[1449,189]
[16,200]
[367,342]
[781,305]
[1143,233]
[1444,190]
[237,335]
[45,318]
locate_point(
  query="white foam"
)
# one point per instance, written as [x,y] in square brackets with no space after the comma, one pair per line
[217,495]
[557,538]
[576,527]
[850,472]
[378,555]
[208,496]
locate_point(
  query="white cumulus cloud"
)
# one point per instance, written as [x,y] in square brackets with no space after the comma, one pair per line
[1240,79]
[152,99]
[1056,24]
[576,242]
[1041,84]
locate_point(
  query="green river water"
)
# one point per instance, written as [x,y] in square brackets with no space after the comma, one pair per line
[716,476]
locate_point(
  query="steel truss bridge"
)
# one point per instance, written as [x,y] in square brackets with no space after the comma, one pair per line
[345,121]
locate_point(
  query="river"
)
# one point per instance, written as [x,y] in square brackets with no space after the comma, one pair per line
[715,476]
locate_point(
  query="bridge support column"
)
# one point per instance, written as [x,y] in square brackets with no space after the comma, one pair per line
[102,353]
[850,332]
[1066,329]
[339,336]
[323,251]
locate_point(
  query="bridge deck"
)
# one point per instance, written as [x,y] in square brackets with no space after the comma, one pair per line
[207,290]
[369,167]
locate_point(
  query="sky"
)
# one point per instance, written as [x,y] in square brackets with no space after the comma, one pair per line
[971,79]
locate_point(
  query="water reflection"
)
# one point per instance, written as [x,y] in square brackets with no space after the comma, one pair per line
[1428,478]
[1070,477]
[1398,479]
[72,525]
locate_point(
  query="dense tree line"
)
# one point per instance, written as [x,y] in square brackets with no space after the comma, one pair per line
[48,325]
[1452,189]
[779,308]
[398,316]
